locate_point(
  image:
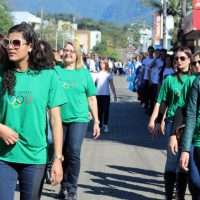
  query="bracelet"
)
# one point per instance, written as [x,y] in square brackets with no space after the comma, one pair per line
[60,157]
[96,122]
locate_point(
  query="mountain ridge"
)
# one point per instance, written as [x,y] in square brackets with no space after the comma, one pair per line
[115,11]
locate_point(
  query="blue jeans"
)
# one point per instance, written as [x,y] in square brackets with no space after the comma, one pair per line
[194,173]
[74,134]
[172,160]
[30,180]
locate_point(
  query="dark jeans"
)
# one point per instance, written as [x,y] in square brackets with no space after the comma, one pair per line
[30,180]
[103,102]
[153,93]
[146,93]
[74,134]
[194,166]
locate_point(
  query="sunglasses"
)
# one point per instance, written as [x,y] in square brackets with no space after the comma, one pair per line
[195,62]
[16,43]
[68,51]
[181,58]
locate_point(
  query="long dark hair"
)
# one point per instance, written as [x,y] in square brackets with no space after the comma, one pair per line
[188,52]
[43,56]
[3,56]
[35,61]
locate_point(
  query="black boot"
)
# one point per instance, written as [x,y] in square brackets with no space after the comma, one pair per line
[170,179]
[181,185]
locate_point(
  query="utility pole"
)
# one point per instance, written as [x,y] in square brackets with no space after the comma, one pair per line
[183,8]
[181,38]
[56,46]
[41,25]
[42,18]
[164,5]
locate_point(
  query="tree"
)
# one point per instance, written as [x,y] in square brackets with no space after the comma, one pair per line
[175,8]
[5,18]
[103,49]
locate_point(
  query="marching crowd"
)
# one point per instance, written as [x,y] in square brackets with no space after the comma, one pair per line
[43,90]
[168,89]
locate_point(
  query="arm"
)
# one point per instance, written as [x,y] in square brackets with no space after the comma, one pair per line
[112,87]
[160,105]
[191,115]
[151,124]
[8,135]
[162,124]
[57,133]
[156,122]
[94,110]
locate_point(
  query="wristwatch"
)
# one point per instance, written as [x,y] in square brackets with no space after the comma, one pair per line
[59,157]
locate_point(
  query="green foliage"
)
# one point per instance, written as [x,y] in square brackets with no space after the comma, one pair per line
[113,37]
[173,6]
[49,34]
[89,24]
[174,9]
[5,18]
[104,50]
[59,16]
[133,33]
[152,3]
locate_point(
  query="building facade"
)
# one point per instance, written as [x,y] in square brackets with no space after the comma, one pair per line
[88,39]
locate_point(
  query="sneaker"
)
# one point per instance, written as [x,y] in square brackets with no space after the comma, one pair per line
[72,196]
[63,194]
[105,129]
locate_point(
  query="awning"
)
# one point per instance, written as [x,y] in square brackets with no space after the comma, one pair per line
[191,23]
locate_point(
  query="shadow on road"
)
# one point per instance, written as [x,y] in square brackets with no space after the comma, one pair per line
[124,186]
[128,125]
[137,171]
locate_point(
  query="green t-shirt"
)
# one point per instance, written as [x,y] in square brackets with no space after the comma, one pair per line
[78,86]
[174,93]
[25,112]
[192,129]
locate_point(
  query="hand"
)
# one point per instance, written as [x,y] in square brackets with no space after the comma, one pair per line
[151,126]
[96,130]
[8,135]
[184,160]
[173,144]
[56,172]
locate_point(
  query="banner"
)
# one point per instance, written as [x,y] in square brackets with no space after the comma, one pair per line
[196,4]
[196,14]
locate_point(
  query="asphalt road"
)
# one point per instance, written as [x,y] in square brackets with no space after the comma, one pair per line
[126,163]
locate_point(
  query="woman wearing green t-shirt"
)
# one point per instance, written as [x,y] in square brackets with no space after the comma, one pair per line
[190,145]
[80,91]
[24,102]
[173,93]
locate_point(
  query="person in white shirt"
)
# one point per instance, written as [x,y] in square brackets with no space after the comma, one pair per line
[104,82]
[91,63]
[111,65]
